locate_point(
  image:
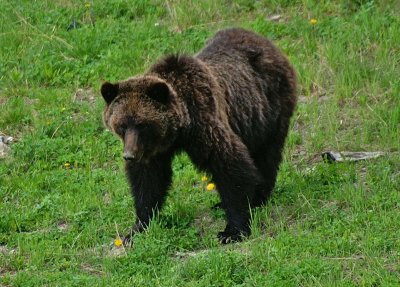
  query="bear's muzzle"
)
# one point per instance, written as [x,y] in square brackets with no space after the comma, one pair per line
[132,150]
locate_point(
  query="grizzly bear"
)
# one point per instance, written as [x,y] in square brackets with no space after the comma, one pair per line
[228,107]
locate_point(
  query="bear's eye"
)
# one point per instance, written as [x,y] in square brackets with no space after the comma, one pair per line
[147,130]
[121,130]
[141,127]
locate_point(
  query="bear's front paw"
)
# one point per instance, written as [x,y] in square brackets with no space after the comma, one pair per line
[127,240]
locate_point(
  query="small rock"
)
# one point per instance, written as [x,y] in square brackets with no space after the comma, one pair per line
[274,18]
[5,141]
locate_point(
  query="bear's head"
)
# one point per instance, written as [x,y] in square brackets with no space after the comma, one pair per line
[143,112]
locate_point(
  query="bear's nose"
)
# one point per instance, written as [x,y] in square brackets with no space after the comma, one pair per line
[129,156]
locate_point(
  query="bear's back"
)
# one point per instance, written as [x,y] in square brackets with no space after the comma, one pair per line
[258,81]
[234,40]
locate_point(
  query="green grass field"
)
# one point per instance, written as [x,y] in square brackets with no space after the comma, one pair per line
[63,195]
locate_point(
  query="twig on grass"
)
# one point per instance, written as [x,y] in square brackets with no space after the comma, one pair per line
[57,128]
[346,258]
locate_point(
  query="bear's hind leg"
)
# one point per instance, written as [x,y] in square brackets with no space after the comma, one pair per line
[267,161]
[236,177]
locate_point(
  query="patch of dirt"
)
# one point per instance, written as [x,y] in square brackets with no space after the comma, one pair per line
[117,251]
[6,251]
[29,101]
[392,267]
[320,98]
[91,270]
[3,101]
[84,96]
[239,248]
[315,92]
[4,150]
[107,198]
[188,254]
[203,222]
[62,225]
[7,267]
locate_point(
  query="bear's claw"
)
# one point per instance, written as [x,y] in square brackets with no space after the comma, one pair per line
[225,237]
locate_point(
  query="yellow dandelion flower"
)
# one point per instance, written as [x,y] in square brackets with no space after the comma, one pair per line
[204,178]
[313,21]
[63,109]
[87,5]
[210,186]
[67,165]
[118,242]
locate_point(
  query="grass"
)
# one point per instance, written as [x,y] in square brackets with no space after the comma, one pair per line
[64,198]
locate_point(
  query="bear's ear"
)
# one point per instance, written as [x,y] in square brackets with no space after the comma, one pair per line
[159,92]
[109,91]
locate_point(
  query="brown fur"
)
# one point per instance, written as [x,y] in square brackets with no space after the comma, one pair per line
[228,107]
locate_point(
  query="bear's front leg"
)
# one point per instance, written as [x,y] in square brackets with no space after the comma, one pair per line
[149,184]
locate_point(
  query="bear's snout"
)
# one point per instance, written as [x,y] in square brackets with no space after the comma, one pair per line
[132,150]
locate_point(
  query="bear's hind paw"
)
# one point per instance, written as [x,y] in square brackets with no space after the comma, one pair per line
[225,237]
